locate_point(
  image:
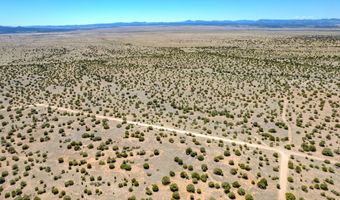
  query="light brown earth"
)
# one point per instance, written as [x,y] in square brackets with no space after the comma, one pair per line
[254,103]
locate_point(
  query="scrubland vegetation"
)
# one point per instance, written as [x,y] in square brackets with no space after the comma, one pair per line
[170,114]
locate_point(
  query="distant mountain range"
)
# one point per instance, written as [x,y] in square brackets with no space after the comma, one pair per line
[263,23]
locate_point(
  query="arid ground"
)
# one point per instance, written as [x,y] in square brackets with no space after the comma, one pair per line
[171,113]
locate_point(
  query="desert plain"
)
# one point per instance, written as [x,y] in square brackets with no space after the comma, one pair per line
[170,113]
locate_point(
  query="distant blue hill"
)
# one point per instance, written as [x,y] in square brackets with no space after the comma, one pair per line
[263,23]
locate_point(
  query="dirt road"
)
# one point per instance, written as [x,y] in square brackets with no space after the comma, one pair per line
[285,154]
[284,113]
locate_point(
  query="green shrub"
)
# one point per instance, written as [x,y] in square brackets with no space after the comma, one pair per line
[249,197]
[173,187]
[166,180]
[327,152]
[262,183]
[290,196]
[218,171]
[155,188]
[191,188]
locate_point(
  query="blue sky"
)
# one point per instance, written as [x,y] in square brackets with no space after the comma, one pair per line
[62,12]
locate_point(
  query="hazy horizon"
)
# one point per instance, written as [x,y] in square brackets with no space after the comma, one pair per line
[150,22]
[60,13]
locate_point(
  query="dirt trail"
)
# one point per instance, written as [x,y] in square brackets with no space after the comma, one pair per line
[163,128]
[283,176]
[284,113]
[285,154]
